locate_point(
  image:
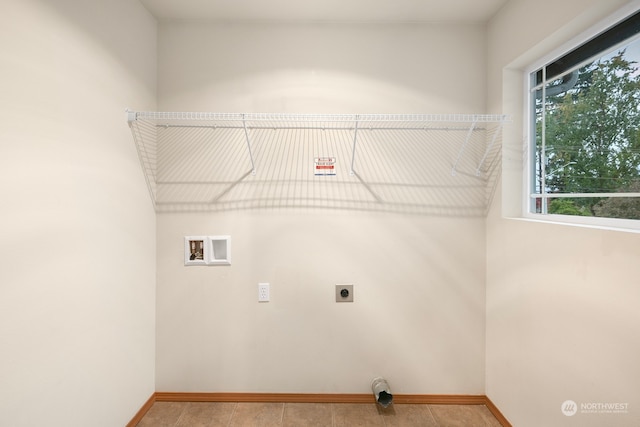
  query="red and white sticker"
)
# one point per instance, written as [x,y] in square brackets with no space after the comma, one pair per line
[325,166]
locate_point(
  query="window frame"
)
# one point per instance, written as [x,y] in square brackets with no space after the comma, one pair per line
[529,122]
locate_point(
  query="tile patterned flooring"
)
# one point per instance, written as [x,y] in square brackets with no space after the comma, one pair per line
[215,414]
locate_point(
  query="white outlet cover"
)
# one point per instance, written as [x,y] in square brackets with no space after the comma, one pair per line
[263,292]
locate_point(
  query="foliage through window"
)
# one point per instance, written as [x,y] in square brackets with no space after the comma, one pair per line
[586,120]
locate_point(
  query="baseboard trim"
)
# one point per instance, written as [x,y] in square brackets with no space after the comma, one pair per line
[433,399]
[496,412]
[142,412]
[264,397]
[425,399]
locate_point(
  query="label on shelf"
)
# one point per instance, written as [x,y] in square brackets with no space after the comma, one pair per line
[325,166]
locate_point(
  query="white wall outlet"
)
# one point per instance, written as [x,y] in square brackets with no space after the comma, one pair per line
[263,292]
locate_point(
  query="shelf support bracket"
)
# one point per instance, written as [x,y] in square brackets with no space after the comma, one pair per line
[489,147]
[246,135]
[464,146]
[353,151]
[131,116]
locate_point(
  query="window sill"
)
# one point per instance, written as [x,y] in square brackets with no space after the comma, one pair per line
[610,224]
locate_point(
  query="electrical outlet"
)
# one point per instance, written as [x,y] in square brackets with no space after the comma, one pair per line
[263,292]
[344,293]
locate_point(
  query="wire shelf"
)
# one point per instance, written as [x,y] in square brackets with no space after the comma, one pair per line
[409,163]
[284,117]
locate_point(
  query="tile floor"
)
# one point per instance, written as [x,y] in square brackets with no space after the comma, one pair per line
[214,414]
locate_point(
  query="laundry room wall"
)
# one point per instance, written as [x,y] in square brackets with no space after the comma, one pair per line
[419,279]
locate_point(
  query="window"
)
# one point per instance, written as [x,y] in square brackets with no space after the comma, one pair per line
[585,128]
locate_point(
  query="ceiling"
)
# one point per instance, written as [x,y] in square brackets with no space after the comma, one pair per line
[348,11]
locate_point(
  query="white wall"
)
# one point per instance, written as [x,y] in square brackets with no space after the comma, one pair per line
[321,68]
[562,317]
[417,318]
[418,315]
[77,247]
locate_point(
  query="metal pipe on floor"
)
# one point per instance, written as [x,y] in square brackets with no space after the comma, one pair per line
[382,391]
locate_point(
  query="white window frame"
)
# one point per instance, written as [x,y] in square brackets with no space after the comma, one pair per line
[530,144]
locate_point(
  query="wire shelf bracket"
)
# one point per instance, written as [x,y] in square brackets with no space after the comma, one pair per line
[353,150]
[246,134]
[489,147]
[462,148]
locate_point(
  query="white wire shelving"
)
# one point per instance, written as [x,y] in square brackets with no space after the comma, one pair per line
[435,164]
